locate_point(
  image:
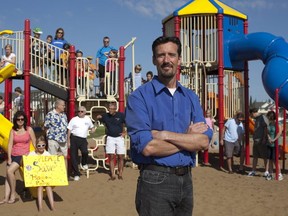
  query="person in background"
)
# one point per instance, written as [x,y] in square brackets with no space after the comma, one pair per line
[259,141]
[111,67]
[18,144]
[272,136]
[114,122]
[19,100]
[232,137]
[40,151]
[92,71]
[58,42]
[101,57]
[137,76]
[81,68]
[2,105]
[210,122]
[65,61]
[36,51]
[56,129]
[149,76]
[77,140]
[8,58]
[48,54]
[166,126]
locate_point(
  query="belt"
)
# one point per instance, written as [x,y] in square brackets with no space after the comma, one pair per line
[179,171]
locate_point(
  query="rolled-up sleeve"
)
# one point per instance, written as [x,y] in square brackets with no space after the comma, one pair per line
[137,122]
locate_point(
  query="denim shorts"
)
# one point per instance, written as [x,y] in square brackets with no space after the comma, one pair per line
[17,159]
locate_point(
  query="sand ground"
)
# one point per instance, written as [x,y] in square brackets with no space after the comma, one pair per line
[216,193]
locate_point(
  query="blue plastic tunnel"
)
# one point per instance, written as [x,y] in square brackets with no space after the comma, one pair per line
[273,51]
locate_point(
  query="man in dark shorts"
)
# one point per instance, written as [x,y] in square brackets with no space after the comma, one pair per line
[101,57]
[259,141]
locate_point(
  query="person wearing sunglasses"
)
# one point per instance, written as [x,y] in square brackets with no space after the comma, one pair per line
[56,129]
[77,140]
[114,122]
[18,145]
[41,151]
[101,57]
[59,42]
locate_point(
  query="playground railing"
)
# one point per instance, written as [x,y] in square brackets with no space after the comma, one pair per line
[47,62]
[16,40]
[111,77]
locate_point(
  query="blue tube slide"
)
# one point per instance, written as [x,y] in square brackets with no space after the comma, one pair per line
[273,51]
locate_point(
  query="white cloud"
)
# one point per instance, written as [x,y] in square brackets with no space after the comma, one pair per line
[152,8]
[256,4]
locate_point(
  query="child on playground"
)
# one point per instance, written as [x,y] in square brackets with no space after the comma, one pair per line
[210,122]
[40,151]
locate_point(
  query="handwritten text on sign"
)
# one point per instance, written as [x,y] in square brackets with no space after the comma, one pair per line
[44,171]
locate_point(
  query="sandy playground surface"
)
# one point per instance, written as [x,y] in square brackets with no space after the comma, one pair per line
[216,193]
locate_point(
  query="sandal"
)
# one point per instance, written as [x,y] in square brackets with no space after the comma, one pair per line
[120,177]
[112,178]
[3,202]
[12,201]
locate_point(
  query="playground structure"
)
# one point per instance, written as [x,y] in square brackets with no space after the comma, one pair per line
[216,48]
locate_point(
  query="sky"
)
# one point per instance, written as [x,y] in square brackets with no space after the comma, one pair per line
[86,22]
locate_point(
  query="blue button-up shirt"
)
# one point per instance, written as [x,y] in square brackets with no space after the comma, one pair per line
[153,107]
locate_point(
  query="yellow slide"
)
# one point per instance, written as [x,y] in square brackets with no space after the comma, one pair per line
[6,126]
[7,72]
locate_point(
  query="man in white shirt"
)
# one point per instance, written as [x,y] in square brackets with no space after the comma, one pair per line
[77,139]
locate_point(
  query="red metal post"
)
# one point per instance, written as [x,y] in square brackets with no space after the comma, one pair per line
[26,71]
[8,98]
[72,78]
[246,99]
[177,22]
[220,85]
[277,129]
[121,60]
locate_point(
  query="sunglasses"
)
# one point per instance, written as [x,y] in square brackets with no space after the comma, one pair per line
[80,111]
[41,145]
[20,119]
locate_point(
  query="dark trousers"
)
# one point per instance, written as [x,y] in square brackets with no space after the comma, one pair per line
[164,194]
[75,144]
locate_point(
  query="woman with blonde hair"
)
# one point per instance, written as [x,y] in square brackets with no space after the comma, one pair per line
[9,57]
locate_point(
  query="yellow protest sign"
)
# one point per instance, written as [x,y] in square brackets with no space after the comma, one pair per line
[44,171]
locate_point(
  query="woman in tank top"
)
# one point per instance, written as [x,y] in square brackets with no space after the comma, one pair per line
[19,144]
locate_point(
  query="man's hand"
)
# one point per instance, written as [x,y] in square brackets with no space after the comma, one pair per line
[199,127]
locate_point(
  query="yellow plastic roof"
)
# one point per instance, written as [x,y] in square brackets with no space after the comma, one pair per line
[206,7]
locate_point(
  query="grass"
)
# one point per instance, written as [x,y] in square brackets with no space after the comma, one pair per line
[100,131]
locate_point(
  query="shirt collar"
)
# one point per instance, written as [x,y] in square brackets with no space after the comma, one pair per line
[158,86]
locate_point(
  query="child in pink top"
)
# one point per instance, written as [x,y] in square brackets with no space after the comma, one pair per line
[210,122]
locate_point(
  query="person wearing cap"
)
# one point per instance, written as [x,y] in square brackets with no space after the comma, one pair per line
[36,50]
[92,70]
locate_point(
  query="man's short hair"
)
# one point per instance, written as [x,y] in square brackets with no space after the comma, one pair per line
[253,110]
[163,40]
[18,89]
